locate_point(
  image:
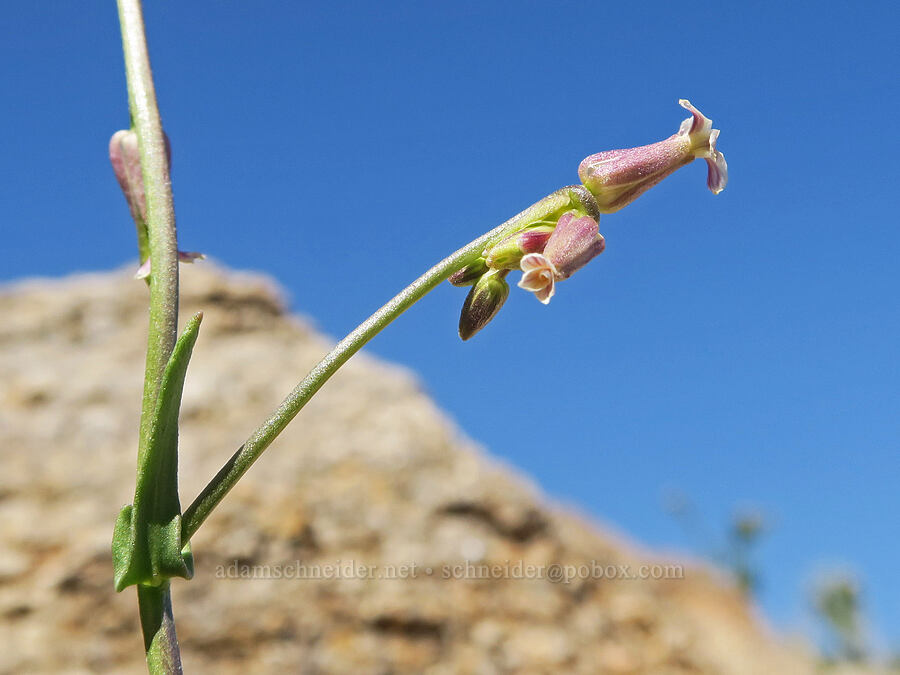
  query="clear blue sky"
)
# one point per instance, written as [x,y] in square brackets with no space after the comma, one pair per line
[740,348]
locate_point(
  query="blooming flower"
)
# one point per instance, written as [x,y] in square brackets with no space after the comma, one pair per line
[617,177]
[573,244]
[539,276]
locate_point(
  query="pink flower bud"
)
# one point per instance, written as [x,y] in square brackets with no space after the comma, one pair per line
[618,177]
[126,162]
[573,244]
[507,254]
[125,158]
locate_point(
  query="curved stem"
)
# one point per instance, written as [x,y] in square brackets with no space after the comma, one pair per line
[155,603]
[551,206]
[260,439]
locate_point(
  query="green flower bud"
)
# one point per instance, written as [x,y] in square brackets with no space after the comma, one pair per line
[470,274]
[483,302]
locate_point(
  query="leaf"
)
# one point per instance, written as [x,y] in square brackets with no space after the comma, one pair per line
[147,546]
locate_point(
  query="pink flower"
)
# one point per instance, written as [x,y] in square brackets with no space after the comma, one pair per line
[539,276]
[573,244]
[618,177]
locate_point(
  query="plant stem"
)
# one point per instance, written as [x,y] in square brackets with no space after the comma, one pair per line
[550,207]
[158,626]
[154,602]
[260,439]
[160,210]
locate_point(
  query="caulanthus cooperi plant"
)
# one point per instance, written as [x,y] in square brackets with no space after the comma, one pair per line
[547,242]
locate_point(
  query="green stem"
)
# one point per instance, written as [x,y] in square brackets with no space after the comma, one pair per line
[550,207]
[160,210]
[260,439]
[155,602]
[158,626]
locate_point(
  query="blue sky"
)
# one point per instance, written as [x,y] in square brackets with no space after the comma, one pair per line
[741,349]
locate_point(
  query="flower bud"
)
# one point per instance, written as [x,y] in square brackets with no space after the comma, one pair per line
[483,302]
[507,254]
[469,274]
[126,162]
[618,177]
[125,158]
[573,244]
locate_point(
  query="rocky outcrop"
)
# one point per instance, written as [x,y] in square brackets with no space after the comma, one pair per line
[417,553]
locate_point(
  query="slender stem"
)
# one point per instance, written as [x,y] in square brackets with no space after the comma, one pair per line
[154,602]
[160,210]
[260,439]
[551,206]
[158,626]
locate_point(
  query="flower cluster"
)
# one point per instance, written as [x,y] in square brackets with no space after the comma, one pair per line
[549,246]
[546,254]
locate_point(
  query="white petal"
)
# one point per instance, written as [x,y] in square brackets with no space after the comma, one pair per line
[546,293]
[144,270]
[534,261]
[534,280]
[698,123]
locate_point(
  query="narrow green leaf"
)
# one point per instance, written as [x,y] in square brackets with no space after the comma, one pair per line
[147,546]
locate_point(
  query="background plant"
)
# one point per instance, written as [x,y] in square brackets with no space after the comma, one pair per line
[734,550]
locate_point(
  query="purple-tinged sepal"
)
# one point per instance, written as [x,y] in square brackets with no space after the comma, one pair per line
[507,254]
[573,244]
[483,302]
[617,177]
